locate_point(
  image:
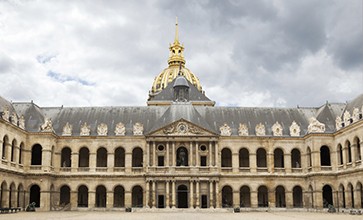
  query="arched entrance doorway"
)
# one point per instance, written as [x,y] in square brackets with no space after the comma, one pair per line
[182,196]
[35,195]
[327,196]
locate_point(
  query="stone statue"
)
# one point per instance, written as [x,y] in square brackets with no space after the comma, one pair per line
[47,126]
[225,130]
[242,130]
[355,114]
[294,129]
[6,114]
[277,129]
[315,126]
[338,123]
[260,130]
[67,130]
[22,122]
[120,129]
[14,119]
[182,158]
[346,118]
[102,129]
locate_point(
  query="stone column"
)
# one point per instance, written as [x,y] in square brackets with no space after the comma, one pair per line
[8,152]
[167,155]
[154,154]
[147,199]
[235,162]
[210,154]
[210,193]
[173,194]
[16,154]
[91,199]
[353,148]
[74,200]
[173,156]
[216,154]
[44,200]
[92,161]
[197,154]
[197,194]
[254,199]
[110,161]
[74,161]
[287,162]
[361,154]
[356,198]
[1,149]
[153,193]
[128,198]
[128,162]
[109,200]
[218,196]
[289,199]
[191,194]
[270,161]
[236,199]
[191,154]
[271,198]
[167,199]
[148,154]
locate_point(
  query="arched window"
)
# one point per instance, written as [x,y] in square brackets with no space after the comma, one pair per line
[297,197]
[227,197]
[245,196]
[349,151]
[12,195]
[182,157]
[340,154]
[279,158]
[325,156]
[13,146]
[82,196]
[280,197]
[119,157]
[66,157]
[342,196]
[358,151]
[101,196]
[4,197]
[83,160]
[52,156]
[351,195]
[295,158]
[137,160]
[226,158]
[262,196]
[65,195]
[327,196]
[21,195]
[101,157]
[5,143]
[119,196]
[137,196]
[35,195]
[261,158]
[21,149]
[308,153]
[36,155]
[360,194]
[244,158]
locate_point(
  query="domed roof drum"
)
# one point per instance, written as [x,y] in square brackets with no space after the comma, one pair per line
[176,63]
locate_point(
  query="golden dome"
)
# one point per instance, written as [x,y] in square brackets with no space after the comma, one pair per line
[176,62]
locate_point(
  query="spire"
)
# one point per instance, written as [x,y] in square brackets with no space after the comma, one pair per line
[176,40]
[176,57]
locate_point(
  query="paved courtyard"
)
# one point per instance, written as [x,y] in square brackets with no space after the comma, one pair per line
[178,216]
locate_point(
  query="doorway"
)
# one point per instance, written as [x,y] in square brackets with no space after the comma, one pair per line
[204,204]
[182,196]
[161,201]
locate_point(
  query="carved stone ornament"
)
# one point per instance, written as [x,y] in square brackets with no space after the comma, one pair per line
[225,130]
[120,129]
[260,130]
[138,129]
[22,122]
[14,119]
[338,123]
[315,126]
[6,114]
[294,129]
[277,129]
[242,130]
[102,129]
[355,114]
[181,128]
[85,130]
[67,130]
[47,126]
[346,118]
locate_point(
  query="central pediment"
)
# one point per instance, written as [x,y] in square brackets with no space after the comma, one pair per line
[182,128]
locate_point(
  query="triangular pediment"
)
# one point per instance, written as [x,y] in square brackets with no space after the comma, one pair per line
[182,128]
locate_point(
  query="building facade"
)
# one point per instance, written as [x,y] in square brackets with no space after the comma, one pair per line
[181,151]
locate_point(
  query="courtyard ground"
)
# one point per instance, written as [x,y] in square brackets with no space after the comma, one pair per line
[94,215]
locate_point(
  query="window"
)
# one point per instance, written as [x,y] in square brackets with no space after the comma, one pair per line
[160,161]
[203,161]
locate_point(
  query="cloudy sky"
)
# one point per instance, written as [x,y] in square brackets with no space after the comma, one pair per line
[245,53]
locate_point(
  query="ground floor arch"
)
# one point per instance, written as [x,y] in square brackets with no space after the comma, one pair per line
[34,195]
[182,196]
[327,196]
[137,196]
[65,195]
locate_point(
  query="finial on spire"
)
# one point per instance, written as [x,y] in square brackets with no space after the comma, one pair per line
[176,40]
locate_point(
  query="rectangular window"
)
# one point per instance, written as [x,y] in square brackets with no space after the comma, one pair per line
[203,161]
[160,161]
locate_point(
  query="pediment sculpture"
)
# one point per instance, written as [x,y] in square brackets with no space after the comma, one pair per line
[6,114]
[225,130]
[277,129]
[346,118]
[355,114]
[338,123]
[181,128]
[14,119]
[315,126]
[85,129]
[260,130]
[22,122]
[242,130]
[120,129]
[138,129]
[47,126]
[67,130]
[102,129]
[294,129]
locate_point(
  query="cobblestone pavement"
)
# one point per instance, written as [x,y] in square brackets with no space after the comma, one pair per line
[177,216]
